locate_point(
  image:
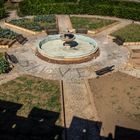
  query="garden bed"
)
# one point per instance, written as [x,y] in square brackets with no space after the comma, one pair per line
[7,38]
[35,24]
[130,33]
[32,92]
[7,33]
[93,25]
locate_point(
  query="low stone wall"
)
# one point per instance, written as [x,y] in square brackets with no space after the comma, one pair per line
[69,61]
[125,43]
[22,29]
[103,28]
[4,46]
[131,43]
[6,43]
[99,30]
[110,37]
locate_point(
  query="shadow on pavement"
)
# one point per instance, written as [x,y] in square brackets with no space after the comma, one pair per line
[40,125]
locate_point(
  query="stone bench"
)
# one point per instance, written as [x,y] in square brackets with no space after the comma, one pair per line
[118,40]
[52,31]
[10,58]
[21,39]
[104,70]
[81,30]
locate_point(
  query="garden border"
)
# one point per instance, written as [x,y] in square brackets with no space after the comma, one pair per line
[22,29]
[69,61]
[103,28]
[8,44]
[4,46]
[125,43]
[100,29]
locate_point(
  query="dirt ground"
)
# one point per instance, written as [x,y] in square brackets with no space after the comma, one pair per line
[117,99]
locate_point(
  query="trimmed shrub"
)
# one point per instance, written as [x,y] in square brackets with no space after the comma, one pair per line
[7,33]
[4,65]
[122,9]
[2,10]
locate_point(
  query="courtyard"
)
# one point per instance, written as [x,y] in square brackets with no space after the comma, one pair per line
[47,73]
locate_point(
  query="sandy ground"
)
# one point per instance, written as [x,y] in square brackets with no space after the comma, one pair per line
[117,99]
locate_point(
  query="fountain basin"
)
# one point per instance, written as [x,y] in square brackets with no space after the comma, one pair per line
[51,49]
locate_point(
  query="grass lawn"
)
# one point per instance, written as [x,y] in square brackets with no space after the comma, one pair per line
[32,92]
[1,55]
[90,23]
[131,33]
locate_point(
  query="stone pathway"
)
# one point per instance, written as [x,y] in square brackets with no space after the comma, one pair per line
[64,23]
[4,78]
[77,101]
[13,15]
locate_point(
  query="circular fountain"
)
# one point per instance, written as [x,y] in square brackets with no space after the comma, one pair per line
[67,48]
[68,39]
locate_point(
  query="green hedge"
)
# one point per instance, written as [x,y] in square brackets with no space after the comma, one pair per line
[2,10]
[128,10]
[4,65]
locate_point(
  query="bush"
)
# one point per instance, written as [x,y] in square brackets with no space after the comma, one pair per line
[122,9]
[4,65]
[7,33]
[2,10]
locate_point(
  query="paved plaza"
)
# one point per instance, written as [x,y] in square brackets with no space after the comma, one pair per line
[75,76]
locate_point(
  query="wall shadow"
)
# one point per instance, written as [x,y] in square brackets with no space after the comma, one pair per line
[122,133]
[40,125]
[82,129]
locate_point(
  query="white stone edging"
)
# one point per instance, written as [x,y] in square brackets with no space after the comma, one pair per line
[22,29]
[99,30]
[131,43]
[4,46]
[125,43]
[103,28]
